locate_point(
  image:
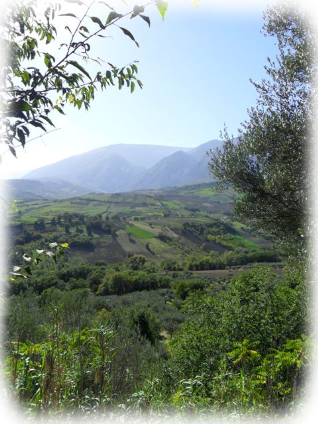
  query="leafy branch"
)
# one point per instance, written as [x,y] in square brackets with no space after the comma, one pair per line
[27,95]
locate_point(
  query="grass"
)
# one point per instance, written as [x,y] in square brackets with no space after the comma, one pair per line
[140,233]
[205,191]
[238,225]
[171,205]
[29,219]
[164,251]
[243,241]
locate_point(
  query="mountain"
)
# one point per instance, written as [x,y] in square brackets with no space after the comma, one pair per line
[178,169]
[140,155]
[127,167]
[34,190]
[169,172]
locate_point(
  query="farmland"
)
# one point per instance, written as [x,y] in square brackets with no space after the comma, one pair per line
[153,223]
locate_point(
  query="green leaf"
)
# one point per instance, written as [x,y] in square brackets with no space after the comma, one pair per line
[59,109]
[129,34]
[47,120]
[79,67]
[21,136]
[12,150]
[26,77]
[97,21]
[83,28]
[28,270]
[26,130]
[20,106]
[47,61]
[112,16]
[146,19]
[132,86]
[38,124]
[48,38]
[195,3]
[69,14]
[162,6]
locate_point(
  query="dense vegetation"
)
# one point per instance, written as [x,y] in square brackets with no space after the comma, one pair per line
[173,323]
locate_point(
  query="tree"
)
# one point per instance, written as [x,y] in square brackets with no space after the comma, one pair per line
[268,163]
[37,81]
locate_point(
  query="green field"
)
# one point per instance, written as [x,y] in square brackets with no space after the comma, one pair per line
[148,223]
[140,232]
[171,205]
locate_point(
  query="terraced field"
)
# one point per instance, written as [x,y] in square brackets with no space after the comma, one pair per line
[149,223]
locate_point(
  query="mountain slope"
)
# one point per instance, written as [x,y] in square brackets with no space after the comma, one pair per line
[33,190]
[169,172]
[138,155]
[181,168]
[131,167]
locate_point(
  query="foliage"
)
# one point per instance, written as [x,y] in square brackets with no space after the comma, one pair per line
[94,336]
[231,258]
[226,356]
[268,162]
[215,323]
[184,287]
[129,281]
[41,76]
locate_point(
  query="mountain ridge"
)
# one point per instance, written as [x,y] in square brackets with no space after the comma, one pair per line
[127,167]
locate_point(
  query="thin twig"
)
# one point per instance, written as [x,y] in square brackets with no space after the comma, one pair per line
[32,139]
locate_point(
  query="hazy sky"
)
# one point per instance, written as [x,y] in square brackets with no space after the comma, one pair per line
[195,66]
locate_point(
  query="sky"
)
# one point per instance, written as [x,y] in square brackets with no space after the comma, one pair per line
[195,66]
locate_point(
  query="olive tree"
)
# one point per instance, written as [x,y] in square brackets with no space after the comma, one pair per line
[269,162]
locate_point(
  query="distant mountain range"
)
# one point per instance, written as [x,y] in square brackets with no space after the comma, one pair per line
[120,168]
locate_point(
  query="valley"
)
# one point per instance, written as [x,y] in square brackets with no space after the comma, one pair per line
[135,289]
[159,224]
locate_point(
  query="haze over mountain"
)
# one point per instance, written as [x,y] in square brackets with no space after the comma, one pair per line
[33,190]
[127,167]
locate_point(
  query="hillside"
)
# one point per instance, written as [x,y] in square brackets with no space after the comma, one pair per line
[22,189]
[158,224]
[124,167]
[179,169]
